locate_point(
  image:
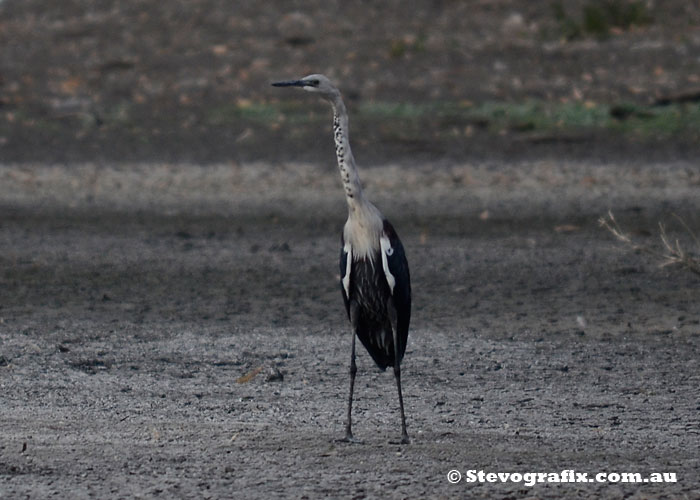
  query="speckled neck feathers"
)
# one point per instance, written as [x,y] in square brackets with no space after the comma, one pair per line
[343,153]
[364,225]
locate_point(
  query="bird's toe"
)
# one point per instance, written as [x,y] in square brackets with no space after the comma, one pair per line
[349,439]
[404,440]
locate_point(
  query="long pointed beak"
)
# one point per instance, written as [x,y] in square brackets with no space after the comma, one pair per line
[290,83]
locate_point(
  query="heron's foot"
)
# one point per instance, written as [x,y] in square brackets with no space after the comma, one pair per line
[404,440]
[349,439]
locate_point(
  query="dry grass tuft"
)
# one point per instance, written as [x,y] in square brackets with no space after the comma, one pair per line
[671,253]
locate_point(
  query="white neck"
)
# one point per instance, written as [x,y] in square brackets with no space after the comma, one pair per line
[343,153]
[364,225]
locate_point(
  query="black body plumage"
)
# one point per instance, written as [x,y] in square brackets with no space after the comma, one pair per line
[369,289]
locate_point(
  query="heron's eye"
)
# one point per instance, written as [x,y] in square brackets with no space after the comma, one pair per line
[390,251]
[314,83]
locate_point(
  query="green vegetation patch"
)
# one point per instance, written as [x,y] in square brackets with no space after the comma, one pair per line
[531,116]
[601,18]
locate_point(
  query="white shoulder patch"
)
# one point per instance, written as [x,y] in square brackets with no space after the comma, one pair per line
[387,250]
[348,267]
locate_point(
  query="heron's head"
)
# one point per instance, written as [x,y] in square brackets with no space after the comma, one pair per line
[313,83]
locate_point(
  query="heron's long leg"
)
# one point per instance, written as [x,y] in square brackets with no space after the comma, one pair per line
[404,435]
[397,368]
[353,371]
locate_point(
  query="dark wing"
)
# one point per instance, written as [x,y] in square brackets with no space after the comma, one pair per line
[398,266]
[343,270]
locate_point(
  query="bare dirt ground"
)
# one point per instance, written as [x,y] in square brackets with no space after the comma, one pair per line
[170,319]
[135,300]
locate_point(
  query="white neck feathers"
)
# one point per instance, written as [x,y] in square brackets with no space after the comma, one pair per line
[365,223]
[343,153]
